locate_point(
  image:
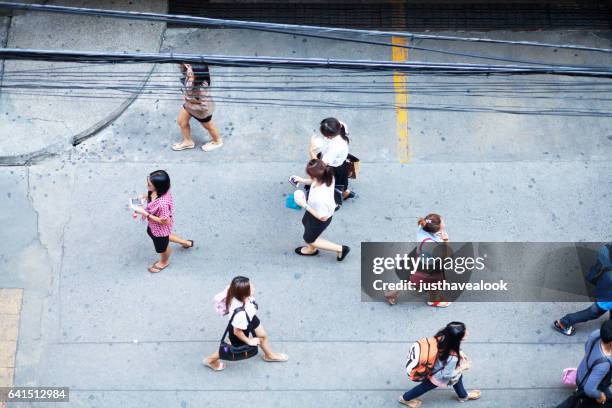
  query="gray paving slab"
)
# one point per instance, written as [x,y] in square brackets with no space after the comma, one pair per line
[356,366]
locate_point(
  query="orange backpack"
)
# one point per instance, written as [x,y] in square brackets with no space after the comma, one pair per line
[421,359]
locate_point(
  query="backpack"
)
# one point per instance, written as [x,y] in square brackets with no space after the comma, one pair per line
[421,359]
[219,302]
[602,265]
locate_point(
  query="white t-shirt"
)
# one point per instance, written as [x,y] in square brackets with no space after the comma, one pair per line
[240,320]
[334,151]
[321,199]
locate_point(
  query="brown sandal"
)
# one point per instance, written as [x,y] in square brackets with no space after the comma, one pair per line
[220,367]
[282,359]
[156,269]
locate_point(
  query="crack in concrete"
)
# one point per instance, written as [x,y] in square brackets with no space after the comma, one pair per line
[42,293]
[53,150]
[52,120]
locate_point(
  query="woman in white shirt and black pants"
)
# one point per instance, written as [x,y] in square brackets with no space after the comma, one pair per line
[333,148]
[320,208]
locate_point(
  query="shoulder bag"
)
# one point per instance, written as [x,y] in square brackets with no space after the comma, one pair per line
[228,351]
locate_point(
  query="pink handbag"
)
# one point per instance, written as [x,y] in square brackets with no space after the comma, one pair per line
[219,302]
[569,376]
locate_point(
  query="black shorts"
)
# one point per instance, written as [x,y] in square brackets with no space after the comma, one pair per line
[313,227]
[205,120]
[161,243]
[236,341]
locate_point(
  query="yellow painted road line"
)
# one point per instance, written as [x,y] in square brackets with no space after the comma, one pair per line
[400,85]
[400,82]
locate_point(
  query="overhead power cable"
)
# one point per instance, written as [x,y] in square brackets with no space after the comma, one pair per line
[273,62]
[275,27]
[317,88]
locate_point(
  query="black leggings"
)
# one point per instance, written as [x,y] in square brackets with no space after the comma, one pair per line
[341,176]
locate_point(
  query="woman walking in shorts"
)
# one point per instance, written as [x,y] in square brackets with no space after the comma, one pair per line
[448,368]
[159,214]
[320,207]
[240,294]
[198,105]
[333,148]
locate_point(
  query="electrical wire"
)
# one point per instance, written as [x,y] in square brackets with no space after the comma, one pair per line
[292,103]
[285,28]
[72,10]
[254,86]
[242,61]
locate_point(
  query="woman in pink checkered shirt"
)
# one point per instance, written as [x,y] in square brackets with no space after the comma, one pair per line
[159,214]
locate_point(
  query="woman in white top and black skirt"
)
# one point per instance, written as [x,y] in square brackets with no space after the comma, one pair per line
[240,294]
[320,207]
[333,148]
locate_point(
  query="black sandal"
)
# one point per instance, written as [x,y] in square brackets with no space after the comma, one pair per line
[191,246]
[344,253]
[568,331]
[298,251]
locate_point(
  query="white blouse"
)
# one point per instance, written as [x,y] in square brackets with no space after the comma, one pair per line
[240,320]
[334,151]
[321,199]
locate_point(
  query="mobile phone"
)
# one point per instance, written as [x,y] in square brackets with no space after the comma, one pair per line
[293,181]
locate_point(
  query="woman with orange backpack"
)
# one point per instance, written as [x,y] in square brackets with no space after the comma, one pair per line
[438,362]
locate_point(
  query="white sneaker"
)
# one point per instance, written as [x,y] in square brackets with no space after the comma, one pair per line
[210,146]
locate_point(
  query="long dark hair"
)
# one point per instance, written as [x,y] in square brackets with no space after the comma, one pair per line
[161,181]
[332,127]
[449,340]
[320,171]
[201,74]
[240,288]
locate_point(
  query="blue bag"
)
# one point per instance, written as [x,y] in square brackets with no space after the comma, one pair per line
[290,203]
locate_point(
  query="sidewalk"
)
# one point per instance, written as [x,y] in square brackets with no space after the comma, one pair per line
[95,320]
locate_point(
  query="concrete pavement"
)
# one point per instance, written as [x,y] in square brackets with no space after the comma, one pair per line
[43,125]
[73,246]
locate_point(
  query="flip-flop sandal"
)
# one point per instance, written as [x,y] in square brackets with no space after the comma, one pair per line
[298,251]
[282,359]
[392,300]
[157,268]
[415,403]
[190,246]
[177,147]
[221,366]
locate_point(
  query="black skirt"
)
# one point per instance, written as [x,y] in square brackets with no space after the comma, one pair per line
[313,227]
